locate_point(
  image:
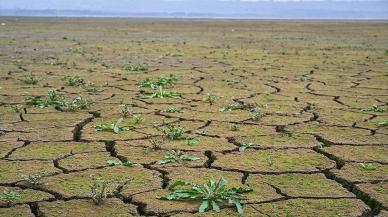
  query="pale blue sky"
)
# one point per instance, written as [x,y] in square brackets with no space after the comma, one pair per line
[348,9]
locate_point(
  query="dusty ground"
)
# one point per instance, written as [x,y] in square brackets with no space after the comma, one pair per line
[318,147]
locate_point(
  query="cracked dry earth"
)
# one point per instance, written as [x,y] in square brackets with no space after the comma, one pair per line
[316,145]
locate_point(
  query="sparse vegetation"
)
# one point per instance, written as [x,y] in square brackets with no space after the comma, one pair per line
[8,196]
[172,110]
[115,128]
[368,166]
[72,80]
[31,79]
[210,98]
[374,108]
[212,194]
[160,94]
[54,99]
[176,157]
[34,180]
[135,67]
[98,190]
[173,131]
[118,163]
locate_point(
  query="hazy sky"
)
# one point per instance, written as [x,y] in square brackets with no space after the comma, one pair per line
[256,8]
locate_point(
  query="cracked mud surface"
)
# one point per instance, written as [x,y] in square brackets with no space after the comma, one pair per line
[317,147]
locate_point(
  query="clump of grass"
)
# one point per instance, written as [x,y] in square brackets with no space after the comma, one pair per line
[178,54]
[54,99]
[72,80]
[256,114]
[118,163]
[232,80]
[154,144]
[210,98]
[368,166]
[98,191]
[34,180]
[234,127]
[383,123]
[191,141]
[160,94]
[30,79]
[9,196]
[18,108]
[135,67]
[173,131]
[160,81]
[172,110]
[374,108]
[115,128]
[231,107]
[125,110]
[76,104]
[176,157]
[92,87]
[244,146]
[211,193]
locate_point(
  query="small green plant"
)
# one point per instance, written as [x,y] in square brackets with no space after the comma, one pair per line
[191,141]
[232,80]
[176,157]
[9,196]
[55,99]
[98,190]
[161,81]
[155,144]
[258,58]
[118,163]
[125,110]
[368,166]
[211,193]
[116,127]
[256,115]
[383,123]
[72,80]
[231,107]
[178,54]
[374,108]
[18,108]
[210,98]
[234,127]
[173,131]
[160,94]
[135,67]
[34,180]
[30,79]
[172,110]
[76,104]
[244,146]
[92,87]
[269,161]
[137,118]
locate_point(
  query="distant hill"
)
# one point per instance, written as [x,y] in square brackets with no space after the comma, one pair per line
[328,9]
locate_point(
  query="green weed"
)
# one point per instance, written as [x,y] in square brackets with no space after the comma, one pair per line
[374,108]
[72,80]
[118,163]
[98,190]
[9,196]
[30,79]
[173,131]
[176,157]
[211,193]
[34,180]
[160,94]
[135,67]
[116,127]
